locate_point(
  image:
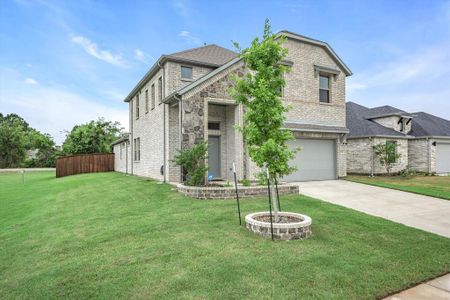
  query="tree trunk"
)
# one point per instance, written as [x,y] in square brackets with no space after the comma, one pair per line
[273,195]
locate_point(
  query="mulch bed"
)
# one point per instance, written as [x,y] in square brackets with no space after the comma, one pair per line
[283,219]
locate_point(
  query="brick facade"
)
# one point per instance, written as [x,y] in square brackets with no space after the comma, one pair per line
[210,100]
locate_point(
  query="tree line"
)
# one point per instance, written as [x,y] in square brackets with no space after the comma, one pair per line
[23,146]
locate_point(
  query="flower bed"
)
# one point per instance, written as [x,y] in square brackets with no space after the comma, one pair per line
[221,192]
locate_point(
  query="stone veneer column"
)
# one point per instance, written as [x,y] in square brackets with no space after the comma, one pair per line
[193,123]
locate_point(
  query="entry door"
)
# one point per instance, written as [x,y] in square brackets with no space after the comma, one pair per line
[214,156]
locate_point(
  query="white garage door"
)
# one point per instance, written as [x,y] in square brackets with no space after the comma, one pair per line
[442,158]
[315,161]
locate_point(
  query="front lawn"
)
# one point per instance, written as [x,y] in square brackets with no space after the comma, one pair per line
[435,186]
[108,235]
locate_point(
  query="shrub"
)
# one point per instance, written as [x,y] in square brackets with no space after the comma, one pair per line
[245,182]
[192,162]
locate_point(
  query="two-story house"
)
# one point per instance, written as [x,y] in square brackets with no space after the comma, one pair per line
[422,140]
[183,99]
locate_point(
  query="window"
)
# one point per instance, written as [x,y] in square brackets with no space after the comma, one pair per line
[137,107]
[146,101]
[324,89]
[186,72]
[394,144]
[160,95]
[213,126]
[153,96]
[137,149]
[402,126]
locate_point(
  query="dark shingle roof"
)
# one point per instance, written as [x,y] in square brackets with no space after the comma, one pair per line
[360,126]
[424,124]
[385,110]
[209,54]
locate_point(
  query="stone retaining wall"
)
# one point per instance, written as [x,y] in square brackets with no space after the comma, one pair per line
[229,192]
[281,231]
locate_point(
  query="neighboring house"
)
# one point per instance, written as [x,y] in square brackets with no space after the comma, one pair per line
[423,140]
[183,100]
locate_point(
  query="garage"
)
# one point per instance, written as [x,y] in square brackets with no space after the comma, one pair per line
[442,158]
[315,161]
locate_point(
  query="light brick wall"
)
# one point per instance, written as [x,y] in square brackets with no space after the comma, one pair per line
[418,154]
[173,75]
[302,87]
[360,156]
[121,157]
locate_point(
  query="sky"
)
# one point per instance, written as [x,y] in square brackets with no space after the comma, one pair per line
[68,62]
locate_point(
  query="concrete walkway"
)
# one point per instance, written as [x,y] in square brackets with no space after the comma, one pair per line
[423,212]
[436,289]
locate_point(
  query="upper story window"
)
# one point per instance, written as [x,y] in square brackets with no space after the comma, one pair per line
[186,72]
[402,126]
[137,107]
[153,96]
[146,101]
[160,95]
[324,89]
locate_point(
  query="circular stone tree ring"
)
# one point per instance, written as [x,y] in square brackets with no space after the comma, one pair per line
[292,226]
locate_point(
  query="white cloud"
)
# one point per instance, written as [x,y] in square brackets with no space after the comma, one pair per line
[92,49]
[415,81]
[186,35]
[31,81]
[181,7]
[53,109]
[139,55]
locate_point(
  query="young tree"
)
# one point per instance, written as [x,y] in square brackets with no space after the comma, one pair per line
[260,93]
[92,137]
[387,154]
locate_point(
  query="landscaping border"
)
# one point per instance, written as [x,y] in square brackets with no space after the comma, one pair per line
[227,193]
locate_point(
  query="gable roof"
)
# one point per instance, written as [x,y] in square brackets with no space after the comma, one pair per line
[360,126]
[217,56]
[424,124]
[209,54]
[386,110]
[326,46]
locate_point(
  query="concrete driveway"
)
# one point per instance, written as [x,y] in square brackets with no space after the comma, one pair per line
[423,212]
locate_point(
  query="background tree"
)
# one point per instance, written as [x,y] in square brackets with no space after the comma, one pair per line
[260,93]
[92,137]
[17,137]
[387,154]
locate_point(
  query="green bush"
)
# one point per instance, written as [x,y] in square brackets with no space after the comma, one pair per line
[192,162]
[245,182]
[262,178]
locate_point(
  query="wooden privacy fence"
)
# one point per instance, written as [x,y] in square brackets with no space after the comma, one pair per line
[84,163]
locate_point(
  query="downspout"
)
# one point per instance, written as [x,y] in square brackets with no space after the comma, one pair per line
[131,134]
[180,118]
[164,119]
[372,156]
[428,156]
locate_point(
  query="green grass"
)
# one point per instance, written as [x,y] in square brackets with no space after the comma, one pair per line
[107,236]
[435,186]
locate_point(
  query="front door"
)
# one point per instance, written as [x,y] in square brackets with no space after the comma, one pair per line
[214,157]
